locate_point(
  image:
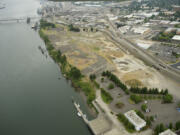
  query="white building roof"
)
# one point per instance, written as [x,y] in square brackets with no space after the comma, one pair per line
[167,132]
[140,30]
[176,37]
[135,119]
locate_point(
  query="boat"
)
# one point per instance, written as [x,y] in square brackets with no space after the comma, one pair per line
[79,114]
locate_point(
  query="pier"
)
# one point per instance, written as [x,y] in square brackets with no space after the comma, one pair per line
[99,125]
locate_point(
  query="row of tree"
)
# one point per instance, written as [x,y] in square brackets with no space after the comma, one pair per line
[44,24]
[115,80]
[160,128]
[145,90]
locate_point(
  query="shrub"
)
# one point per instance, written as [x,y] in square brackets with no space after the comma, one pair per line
[102,79]
[119,105]
[44,24]
[144,107]
[74,29]
[107,98]
[168,98]
[111,86]
[137,99]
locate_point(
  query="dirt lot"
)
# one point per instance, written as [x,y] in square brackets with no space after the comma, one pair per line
[93,52]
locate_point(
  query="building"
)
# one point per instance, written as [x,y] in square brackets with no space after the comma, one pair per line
[176,38]
[138,122]
[140,30]
[176,8]
[168,132]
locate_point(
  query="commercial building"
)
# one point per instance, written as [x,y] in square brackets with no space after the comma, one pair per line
[135,120]
[176,38]
[176,8]
[140,30]
[168,132]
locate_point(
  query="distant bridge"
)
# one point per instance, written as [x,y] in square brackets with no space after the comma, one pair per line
[18,19]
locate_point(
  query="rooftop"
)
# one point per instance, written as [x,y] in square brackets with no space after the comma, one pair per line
[168,132]
[176,37]
[135,119]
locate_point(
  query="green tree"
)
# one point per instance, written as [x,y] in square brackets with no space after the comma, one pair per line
[144,107]
[75,73]
[168,98]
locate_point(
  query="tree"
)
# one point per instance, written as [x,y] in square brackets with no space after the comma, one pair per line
[102,79]
[137,99]
[167,98]
[144,107]
[177,125]
[170,126]
[92,77]
[75,73]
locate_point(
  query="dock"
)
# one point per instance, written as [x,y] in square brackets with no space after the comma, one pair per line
[99,125]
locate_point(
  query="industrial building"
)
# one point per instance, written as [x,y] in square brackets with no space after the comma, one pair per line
[176,38]
[138,122]
[168,132]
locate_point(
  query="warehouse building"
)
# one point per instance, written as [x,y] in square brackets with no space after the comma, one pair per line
[168,132]
[138,122]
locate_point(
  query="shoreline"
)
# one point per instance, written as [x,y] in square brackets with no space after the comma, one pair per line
[91,109]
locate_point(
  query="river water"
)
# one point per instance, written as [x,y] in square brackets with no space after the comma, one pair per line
[33,101]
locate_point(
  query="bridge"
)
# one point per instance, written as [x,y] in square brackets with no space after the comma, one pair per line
[18,19]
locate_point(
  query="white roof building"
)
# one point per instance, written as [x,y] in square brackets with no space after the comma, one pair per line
[176,37]
[140,30]
[124,29]
[168,132]
[138,122]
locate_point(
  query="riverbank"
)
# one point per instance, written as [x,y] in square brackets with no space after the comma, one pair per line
[80,82]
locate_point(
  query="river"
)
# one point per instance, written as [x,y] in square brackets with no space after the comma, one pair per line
[34,97]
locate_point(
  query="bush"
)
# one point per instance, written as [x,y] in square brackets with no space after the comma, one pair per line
[87,88]
[168,98]
[74,29]
[111,86]
[44,24]
[119,105]
[137,99]
[107,98]
[178,105]
[144,107]
[102,79]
